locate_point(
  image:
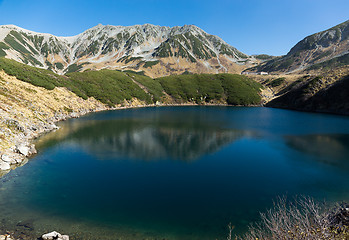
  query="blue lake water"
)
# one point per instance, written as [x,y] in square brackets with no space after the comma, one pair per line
[175,173]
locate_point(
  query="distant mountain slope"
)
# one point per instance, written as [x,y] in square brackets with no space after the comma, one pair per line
[327,93]
[327,48]
[157,50]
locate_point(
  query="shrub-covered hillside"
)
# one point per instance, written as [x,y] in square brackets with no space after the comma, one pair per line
[199,88]
[114,87]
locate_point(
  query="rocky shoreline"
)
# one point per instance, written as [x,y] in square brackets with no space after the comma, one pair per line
[18,154]
[47,236]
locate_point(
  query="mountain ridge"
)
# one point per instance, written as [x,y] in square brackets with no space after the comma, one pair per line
[157,50]
[312,52]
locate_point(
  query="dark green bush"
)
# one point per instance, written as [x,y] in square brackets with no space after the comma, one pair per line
[277,82]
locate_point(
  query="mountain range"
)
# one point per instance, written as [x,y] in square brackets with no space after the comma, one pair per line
[160,51]
[156,50]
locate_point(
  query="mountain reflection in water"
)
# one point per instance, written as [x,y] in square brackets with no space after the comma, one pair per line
[131,174]
[328,148]
[144,139]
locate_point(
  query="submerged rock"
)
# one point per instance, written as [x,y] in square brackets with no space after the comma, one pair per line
[54,235]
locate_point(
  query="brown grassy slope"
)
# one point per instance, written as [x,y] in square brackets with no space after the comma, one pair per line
[26,110]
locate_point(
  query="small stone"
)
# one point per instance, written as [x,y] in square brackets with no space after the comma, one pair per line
[74,115]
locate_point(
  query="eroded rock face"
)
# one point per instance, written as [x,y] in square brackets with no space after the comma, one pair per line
[54,235]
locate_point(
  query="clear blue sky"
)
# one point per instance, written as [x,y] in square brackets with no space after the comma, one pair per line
[252,26]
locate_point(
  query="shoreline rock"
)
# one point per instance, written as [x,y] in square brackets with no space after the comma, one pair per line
[6,237]
[4,166]
[54,235]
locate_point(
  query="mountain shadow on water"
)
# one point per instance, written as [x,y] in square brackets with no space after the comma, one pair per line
[330,149]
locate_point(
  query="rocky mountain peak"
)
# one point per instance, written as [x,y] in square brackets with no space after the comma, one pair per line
[157,50]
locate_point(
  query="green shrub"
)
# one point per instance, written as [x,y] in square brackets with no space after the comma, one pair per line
[3,47]
[110,87]
[74,68]
[277,82]
[59,66]
[150,64]
[35,76]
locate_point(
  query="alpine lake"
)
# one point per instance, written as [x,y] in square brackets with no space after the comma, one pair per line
[174,172]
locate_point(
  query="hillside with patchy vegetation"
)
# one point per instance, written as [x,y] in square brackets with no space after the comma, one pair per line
[114,88]
[321,51]
[326,93]
[158,51]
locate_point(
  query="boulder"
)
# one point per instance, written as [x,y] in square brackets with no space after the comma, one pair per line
[19,159]
[32,149]
[23,149]
[74,115]
[8,159]
[4,166]
[54,235]
[5,237]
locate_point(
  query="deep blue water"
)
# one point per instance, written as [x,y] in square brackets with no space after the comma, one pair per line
[176,173]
